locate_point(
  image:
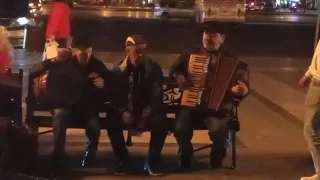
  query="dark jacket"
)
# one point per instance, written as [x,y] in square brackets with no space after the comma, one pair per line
[72,81]
[180,67]
[150,93]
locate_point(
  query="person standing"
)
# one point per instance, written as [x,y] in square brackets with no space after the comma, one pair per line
[312,119]
[58,28]
[5,50]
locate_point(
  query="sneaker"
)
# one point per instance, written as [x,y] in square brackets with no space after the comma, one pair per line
[122,169]
[314,177]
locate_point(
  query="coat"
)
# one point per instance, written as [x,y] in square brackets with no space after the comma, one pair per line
[151,95]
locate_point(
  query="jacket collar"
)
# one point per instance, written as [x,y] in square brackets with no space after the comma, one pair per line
[147,63]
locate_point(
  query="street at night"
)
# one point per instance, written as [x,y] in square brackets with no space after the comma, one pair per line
[270,143]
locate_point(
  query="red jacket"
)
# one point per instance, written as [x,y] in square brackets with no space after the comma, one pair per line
[4,61]
[59,21]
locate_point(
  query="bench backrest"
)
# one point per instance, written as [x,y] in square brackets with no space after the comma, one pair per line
[11,95]
[171,100]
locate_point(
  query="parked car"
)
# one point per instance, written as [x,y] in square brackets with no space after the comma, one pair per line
[178,9]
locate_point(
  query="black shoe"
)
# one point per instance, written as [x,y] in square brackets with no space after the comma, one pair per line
[88,159]
[214,164]
[151,170]
[57,172]
[122,169]
[58,165]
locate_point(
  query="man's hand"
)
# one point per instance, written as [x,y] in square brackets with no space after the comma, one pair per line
[240,89]
[93,75]
[127,118]
[98,82]
[181,81]
[305,81]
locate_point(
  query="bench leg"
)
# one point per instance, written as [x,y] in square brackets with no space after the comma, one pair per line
[129,139]
[233,148]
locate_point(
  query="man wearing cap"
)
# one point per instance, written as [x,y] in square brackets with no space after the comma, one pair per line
[212,44]
[138,98]
[77,84]
[97,80]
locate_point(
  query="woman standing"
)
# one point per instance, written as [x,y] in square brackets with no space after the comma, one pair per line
[58,27]
[6,50]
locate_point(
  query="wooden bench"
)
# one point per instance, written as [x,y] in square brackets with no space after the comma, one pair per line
[171,99]
[13,91]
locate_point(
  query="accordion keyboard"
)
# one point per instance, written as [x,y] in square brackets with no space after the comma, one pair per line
[197,70]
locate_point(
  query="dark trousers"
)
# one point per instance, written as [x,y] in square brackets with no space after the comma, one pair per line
[218,132]
[159,129]
[60,118]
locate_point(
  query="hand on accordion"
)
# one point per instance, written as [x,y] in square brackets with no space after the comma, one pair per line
[182,82]
[240,89]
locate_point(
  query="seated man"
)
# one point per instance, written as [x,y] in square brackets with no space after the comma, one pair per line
[216,122]
[138,98]
[76,87]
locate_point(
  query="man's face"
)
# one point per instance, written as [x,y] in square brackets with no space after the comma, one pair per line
[83,55]
[132,51]
[212,40]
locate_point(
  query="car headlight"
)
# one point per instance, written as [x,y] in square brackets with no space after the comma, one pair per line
[23,21]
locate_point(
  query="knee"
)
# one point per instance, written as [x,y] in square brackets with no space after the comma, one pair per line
[160,123]
[182,130]
[218,136]
[94,130]
[218,130]
[59,116]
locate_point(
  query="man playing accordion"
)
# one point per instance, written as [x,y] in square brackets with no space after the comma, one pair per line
[216,122]
[138,101]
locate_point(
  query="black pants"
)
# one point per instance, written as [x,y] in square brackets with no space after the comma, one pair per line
[159,129]
[60,118]
[218,132]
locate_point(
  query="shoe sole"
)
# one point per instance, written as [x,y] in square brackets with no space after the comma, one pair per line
[116,173]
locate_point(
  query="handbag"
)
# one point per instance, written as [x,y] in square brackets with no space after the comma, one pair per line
[50,49]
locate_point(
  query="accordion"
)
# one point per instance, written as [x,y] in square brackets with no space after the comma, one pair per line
[211,78]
